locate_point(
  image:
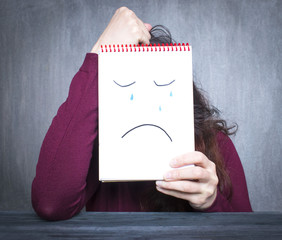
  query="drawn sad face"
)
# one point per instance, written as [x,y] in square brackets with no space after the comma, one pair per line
[144,97]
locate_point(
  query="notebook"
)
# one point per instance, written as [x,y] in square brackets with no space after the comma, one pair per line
[146,114]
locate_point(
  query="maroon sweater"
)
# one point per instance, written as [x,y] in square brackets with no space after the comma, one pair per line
[67,170]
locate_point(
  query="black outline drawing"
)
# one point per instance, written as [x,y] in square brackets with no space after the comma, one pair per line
[152,125]
[162,85]
[124,85]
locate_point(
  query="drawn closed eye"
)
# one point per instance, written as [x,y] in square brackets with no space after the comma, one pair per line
[162,85]
[127,85]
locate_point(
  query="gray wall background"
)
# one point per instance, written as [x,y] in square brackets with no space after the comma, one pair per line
[237,59]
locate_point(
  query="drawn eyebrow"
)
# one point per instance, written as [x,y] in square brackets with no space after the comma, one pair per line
[162,85]
[124,85]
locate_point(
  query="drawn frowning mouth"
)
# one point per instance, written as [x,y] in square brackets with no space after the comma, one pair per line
[147,125]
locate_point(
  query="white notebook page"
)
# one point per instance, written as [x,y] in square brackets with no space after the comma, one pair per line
[145,112]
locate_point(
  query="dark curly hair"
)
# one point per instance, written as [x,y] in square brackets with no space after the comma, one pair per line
[207,124]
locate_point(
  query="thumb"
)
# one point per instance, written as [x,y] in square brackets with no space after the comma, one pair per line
[148,26]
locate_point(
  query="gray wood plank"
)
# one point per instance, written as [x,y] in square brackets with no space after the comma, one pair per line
[95,225]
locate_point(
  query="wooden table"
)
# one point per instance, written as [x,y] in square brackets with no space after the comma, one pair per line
[93,225]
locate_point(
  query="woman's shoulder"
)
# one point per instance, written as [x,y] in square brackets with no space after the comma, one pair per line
[226,146]
[223,139]
[90,62]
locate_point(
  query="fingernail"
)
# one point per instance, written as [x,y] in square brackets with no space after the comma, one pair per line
[173,162]
[168,175]
[159,188]
[159,183]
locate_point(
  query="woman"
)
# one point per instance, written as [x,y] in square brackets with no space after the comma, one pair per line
[67,170]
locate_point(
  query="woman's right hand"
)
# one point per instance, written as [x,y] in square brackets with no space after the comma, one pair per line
[124,28]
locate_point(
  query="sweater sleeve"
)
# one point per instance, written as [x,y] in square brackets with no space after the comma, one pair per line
[60,189]
[239,201]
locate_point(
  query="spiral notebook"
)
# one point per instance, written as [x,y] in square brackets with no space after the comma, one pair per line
[145,110]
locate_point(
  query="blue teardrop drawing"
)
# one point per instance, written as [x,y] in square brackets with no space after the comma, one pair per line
[131,97]
[170,93]
[160,108]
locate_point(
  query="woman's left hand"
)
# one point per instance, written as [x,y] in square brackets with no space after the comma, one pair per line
[197,184]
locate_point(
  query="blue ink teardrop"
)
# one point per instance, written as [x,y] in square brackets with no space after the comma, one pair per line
[170,93]
[160,108]
[131,98]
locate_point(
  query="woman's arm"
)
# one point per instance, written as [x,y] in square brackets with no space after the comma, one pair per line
[59,188]
[65,180]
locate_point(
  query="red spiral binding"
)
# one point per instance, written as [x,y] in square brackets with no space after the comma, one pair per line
[146,48]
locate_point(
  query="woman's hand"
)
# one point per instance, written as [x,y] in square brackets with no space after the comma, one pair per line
[196,184]
[124,28]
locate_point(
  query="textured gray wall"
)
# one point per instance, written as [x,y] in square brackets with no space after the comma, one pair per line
[237,58]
